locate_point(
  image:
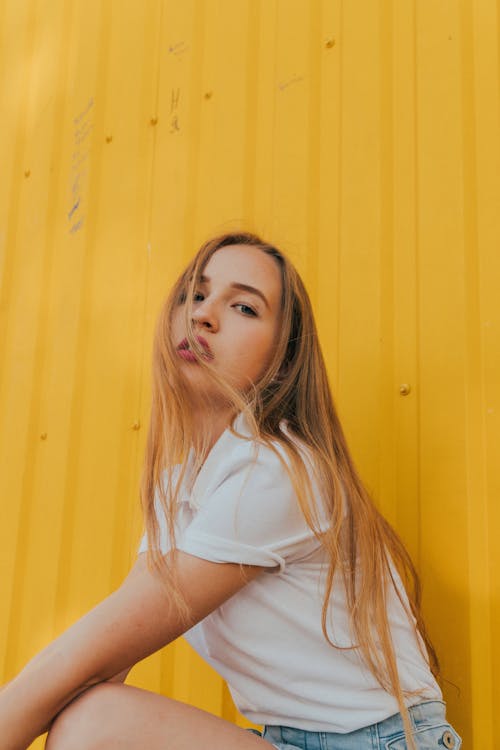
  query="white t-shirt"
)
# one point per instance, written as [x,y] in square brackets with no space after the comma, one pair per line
[266,641]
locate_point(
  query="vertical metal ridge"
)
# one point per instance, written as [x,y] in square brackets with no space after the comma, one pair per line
[130,442]
[475,412]
[13,195]
[262,200]
[195,100]
[340,177]
[387,249]
[314,142]
[254,10]
[10,279]
[156,105]
[41,431]
[86,240]
[274,79]
[416,245]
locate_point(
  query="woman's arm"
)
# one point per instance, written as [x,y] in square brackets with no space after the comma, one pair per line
[133,622]
[121,677]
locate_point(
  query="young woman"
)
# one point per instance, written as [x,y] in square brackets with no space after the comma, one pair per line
[262,546]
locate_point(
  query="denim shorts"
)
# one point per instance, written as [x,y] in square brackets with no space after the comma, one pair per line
[430,730]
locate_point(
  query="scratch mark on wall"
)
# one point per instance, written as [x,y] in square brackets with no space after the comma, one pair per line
[178,49]
[82,131]
[74,209]
[174,116]
[285,84]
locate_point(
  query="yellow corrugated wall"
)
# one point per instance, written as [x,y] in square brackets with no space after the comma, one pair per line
[363,138]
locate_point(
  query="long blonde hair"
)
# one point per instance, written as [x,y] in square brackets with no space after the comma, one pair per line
[360,543]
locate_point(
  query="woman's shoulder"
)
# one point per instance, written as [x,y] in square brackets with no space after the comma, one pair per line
[240,463]
[241,452]
[241,457]
[270,453]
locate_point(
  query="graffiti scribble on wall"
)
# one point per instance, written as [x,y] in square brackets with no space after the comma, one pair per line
[82,129]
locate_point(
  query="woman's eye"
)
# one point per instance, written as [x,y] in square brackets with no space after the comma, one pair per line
[246,310]
[196,295]
[183,297]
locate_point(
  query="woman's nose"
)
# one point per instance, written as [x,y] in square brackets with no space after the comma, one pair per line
[205,315]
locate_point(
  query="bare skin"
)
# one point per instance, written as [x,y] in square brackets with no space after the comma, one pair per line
[74,687]
[122,717]
[69,680]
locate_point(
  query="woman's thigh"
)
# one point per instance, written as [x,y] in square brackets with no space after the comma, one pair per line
[114,716]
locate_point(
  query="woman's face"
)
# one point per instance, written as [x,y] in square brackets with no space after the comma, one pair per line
[236,312]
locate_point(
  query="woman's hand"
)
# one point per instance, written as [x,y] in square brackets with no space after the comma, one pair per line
[133,622]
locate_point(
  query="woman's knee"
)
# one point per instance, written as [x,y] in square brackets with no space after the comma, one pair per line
[82,724]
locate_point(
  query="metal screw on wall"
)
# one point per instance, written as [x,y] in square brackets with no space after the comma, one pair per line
[404,389]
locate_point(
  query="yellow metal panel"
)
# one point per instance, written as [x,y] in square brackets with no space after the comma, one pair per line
[363,138]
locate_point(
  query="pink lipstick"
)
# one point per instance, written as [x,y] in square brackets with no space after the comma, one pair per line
[186,353]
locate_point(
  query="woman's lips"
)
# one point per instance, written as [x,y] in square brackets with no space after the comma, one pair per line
[186,353]
[189,356]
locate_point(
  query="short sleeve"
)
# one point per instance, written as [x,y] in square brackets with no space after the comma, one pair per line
[252,516]
[164,538]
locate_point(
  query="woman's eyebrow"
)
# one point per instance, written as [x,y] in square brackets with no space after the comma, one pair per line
[243,287]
